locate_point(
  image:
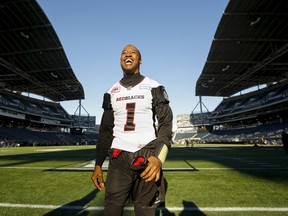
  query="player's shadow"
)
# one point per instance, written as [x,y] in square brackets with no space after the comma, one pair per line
[76,207]
[164,211]
[191,209]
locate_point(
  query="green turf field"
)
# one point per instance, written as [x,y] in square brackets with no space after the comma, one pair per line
[202,180]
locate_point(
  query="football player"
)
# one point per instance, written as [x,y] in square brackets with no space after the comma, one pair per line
[135,132]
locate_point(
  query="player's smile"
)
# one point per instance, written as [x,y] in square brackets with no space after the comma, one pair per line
[128,61]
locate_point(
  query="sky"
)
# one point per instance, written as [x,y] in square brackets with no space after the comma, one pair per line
[173,36]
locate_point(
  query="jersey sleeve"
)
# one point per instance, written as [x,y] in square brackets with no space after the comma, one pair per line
[105,131]
[164,117]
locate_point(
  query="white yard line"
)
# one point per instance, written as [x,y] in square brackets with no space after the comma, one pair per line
[173,209]
[165,169]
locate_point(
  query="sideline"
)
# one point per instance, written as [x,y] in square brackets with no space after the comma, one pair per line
[172,209]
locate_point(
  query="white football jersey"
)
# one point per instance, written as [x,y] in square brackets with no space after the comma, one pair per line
[134,125]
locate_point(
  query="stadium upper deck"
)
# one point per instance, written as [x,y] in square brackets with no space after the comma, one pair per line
[32,58]
[249,48]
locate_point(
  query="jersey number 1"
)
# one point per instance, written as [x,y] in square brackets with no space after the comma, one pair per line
[130,108]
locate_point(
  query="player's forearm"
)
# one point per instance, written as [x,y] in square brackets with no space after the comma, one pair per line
[100,159]
[163,141]
[165,123]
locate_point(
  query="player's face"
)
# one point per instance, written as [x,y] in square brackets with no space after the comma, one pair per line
[130,60]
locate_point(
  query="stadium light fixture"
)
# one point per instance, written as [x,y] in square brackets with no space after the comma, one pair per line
[204,85]
[54,75]
[211,80]
[256,21]
[226,68]
[24,35]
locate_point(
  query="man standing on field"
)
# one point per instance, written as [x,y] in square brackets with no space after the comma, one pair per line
[137,149]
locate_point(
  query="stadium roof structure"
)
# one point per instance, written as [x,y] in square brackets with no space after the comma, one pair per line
[249,48]
[32,58]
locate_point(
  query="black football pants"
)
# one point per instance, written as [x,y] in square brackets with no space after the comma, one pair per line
[122,183]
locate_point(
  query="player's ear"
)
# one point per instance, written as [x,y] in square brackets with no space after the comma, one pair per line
[140,61]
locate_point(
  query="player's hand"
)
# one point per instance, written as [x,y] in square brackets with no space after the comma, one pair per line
[153,170]
[97,178]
